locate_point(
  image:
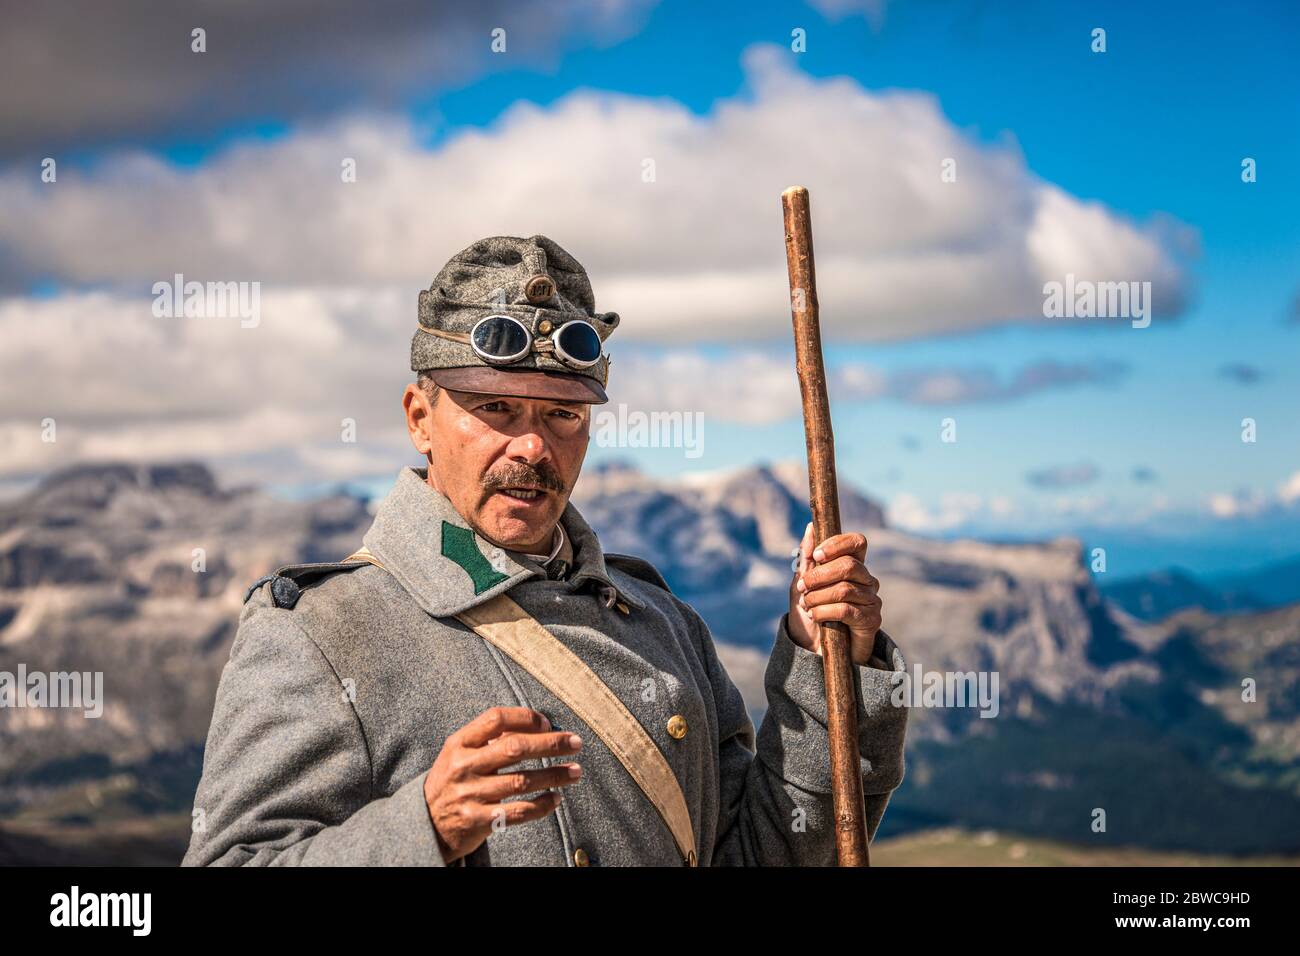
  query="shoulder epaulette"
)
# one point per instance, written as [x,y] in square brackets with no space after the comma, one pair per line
[638,568]
[288,582]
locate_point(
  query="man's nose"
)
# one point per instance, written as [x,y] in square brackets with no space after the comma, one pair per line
[528,446]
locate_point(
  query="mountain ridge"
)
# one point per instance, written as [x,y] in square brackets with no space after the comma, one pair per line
[1098,708]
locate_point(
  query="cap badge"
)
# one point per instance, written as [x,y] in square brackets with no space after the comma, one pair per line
[539,288]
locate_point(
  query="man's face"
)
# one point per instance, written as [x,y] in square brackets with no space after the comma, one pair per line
[507,464]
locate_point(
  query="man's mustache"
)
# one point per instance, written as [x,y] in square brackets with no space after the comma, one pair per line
[516,475]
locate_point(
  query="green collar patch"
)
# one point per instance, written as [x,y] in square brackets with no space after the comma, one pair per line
[420,538]
[458,545]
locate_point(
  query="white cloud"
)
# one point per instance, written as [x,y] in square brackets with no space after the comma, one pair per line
[694,255]
[833,10]
[1245,503]
[953,510]
[1250,503]
[1289,493]
[974,513]
[1224,506]
[268,402]
[119,382]
[760,386]
[747,386]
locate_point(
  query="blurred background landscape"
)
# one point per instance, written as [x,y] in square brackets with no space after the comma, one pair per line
[1106,511]
[1098,707]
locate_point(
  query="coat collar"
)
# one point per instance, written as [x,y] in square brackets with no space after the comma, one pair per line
[442,562]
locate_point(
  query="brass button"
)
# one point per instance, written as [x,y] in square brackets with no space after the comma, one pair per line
[580,857]
[677,726]
[544,326]
[539,288]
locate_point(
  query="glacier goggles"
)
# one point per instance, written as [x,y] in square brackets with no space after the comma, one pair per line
[503,340]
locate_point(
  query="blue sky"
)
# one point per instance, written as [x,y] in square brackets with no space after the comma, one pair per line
[1153,130]
[1158,124]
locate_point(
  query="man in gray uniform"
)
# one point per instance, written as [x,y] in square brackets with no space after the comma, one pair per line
[480,684]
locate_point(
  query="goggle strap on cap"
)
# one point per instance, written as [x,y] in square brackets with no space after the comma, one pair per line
[461,337]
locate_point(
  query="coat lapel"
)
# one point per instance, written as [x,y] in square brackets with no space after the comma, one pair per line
[447,567]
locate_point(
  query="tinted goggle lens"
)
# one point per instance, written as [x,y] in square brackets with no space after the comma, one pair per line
[501,337]
[579,341]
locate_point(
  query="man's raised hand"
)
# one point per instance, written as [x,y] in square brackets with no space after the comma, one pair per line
[465,787]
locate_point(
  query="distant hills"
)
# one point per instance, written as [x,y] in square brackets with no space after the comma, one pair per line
[1150,597]
[1099,709]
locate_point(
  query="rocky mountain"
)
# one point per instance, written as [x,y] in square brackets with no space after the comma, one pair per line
[1161,593]
[140,571]
[725,544]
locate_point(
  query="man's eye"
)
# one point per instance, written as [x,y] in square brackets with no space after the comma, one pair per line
[565,413]
[493,406]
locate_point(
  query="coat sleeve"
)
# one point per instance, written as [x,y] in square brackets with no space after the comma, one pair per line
[286,773]
[775,807]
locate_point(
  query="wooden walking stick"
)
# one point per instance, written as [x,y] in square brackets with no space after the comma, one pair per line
[837,664]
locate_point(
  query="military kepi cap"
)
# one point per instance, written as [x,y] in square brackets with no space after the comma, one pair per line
[532,280]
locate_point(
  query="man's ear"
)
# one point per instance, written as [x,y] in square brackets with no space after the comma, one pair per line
[419,418]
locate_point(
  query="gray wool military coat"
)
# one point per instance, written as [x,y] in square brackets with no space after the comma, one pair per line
[344,682]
